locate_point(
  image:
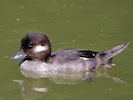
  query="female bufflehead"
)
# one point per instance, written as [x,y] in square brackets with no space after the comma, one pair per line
[37,59]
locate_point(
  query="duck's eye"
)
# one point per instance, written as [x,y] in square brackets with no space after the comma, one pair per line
[30,45]
[42,44]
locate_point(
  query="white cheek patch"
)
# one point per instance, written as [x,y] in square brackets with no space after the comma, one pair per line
[40,48]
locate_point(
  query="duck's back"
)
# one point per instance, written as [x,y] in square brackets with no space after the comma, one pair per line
[73,54]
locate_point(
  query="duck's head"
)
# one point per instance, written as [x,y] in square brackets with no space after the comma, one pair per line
[34,46]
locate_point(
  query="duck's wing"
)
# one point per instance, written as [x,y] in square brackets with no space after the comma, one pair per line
[87,53]
[74,54]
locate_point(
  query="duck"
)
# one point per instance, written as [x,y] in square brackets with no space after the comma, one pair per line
[37,60]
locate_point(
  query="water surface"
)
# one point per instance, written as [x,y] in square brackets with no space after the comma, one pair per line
[91,24]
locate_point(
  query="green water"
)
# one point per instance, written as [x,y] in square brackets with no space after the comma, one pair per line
[90,24]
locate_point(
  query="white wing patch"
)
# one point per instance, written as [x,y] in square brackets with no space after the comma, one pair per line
[84,58]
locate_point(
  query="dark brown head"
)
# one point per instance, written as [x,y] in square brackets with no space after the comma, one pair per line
[36,45]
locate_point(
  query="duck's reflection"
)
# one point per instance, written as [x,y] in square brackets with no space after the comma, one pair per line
[34,89]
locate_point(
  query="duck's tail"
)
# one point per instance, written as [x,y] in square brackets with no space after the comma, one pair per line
[105,58]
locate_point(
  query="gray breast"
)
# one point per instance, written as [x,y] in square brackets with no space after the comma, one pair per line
[38,69]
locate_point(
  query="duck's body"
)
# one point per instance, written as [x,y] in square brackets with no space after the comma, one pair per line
[38,60]
[59,63]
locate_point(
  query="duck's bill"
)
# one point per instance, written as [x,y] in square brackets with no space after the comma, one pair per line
[19,55]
